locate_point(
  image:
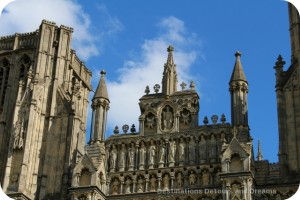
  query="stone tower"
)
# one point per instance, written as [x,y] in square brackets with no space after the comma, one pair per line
[238,91]
[44,98]
[288,104]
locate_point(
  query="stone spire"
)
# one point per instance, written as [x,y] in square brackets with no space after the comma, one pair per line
[259,152]
[100,106]
[238,72]
[101,91]
[169,81]
[294,32]
[238,87]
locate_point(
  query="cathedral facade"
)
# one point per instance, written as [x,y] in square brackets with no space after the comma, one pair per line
[44,90]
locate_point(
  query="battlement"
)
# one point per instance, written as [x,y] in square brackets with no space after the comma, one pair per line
[19,40]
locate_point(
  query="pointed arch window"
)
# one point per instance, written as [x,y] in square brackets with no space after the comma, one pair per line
[4,75]
[24,69]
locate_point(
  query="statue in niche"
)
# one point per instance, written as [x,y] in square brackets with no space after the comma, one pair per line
[185,117]
[113,157]
[192,178]
[115,187]
[150,121]
[21,127]
[162,154]
[167,118]
[181,151]
[152,183]
[122,157]
[213,148]
[205,178]
[179,180]
[221,141]
[142,154]
[202,149]
[166,182]
[140,185]
[151,154]
[192,149]
[127,185]
[130,157]
[172,151]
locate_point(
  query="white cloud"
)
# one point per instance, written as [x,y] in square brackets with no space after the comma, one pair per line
[26,16]
[136,74]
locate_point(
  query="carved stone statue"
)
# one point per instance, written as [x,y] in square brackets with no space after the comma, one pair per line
[130,158]
[192,178]
[179,180]
[113,158]
[205,178]
[18,136]
[192,149]
[140,185]
[115,187]
[152,183]
[202,150]
[150,121]
[213,149]
[166,182]
[142,155]
[181,152]
[162,154]
[167,118]
[127,185]
[151,154]
[122,158]
[172,151]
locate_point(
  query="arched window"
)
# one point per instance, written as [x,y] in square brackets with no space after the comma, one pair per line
[4,75]
[25,64]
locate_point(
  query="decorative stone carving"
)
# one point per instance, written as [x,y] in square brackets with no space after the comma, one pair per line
[185,117]
[213,149]
[130,158]
[122,158]
[235,191]
[205,177]
[181,152]
[152,183]
[166,182]
[113,158]
[140,185]
[167,118]
[172,151]
[192,150]
[192,178]
[162,154]
[142,155]
[179,180]
[128,182]
[115,187]
[202,150]
[150,121]
[151,153]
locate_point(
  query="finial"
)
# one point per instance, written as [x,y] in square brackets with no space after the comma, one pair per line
[192,85]
[103,72]
[205,121]
[170,48]
[116,131]
[238,54]
[133,130]
[147,90]
[125,128]
[223,118]
[280,62]
[259,153]
[156,88]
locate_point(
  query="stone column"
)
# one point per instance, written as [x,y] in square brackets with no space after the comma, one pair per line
[172,180]
[177,122]
[136,159]
[122,184]
[142,124]
[159,181]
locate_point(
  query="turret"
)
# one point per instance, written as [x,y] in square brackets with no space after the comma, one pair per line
[169,81]
[238,91]
[100,106]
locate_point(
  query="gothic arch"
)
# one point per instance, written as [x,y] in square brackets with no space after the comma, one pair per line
[4,76]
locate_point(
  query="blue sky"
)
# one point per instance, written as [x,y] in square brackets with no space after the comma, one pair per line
[129,39]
